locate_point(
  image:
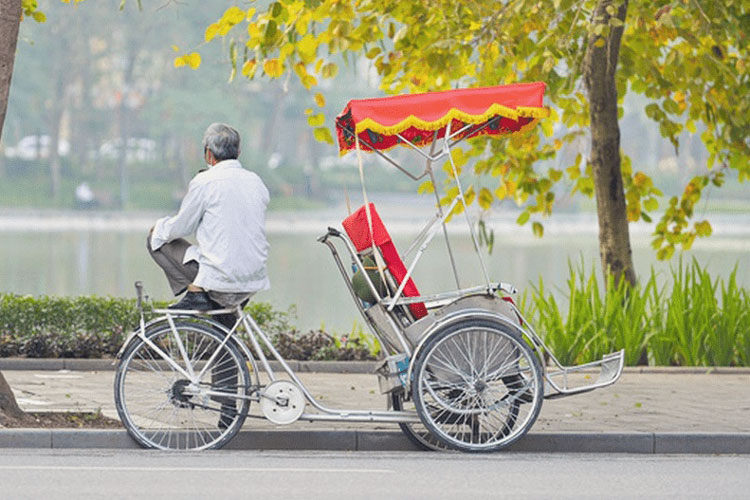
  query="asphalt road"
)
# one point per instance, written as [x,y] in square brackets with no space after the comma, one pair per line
[110,474]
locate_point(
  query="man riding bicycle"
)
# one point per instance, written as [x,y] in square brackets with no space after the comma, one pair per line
[225,207]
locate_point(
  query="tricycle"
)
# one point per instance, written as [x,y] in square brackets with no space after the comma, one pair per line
[461,370]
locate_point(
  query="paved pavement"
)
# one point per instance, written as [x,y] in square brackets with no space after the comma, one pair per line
[647,410]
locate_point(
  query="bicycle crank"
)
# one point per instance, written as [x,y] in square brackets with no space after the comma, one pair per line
[282,402]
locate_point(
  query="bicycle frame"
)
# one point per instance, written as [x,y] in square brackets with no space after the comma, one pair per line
[256,336]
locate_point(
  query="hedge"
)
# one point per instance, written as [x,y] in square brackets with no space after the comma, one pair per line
[95,327]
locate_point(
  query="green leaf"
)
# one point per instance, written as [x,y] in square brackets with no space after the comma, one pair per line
[651,204]
[523,218]
[538,229]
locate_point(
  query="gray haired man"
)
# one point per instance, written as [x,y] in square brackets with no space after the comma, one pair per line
[225,207]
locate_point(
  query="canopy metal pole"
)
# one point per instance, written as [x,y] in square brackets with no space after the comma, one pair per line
[384,156]
[428,167]
[446,149]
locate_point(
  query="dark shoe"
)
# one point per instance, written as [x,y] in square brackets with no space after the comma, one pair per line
[228,320]
[194,301]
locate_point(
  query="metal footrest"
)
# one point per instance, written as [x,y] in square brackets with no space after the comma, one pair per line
[568,380]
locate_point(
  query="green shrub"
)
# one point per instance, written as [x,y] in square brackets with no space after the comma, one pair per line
[93,327]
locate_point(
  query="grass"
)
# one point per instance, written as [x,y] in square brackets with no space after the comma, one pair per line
[695,320]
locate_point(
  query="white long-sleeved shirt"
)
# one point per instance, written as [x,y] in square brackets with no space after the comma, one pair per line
[225,207]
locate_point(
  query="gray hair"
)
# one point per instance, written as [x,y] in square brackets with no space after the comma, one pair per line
[223,141]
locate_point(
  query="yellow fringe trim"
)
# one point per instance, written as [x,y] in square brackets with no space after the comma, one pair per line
[525,128]
[453,113]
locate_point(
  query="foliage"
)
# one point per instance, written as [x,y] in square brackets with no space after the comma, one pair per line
[689,58]
[321,346]
[92,327]
[697,321]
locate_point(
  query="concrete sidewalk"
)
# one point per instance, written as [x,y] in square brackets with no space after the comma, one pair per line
[646,411]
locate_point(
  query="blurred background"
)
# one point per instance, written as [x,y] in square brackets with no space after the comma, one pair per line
[103,134]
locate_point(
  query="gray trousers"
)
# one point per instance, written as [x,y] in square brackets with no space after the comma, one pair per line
[169,257]
[179,275]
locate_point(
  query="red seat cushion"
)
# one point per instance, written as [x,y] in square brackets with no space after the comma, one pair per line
[359,232]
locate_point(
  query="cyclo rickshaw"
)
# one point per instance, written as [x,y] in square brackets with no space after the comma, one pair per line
[461,370]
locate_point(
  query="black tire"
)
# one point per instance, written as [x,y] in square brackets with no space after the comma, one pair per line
[416,433]
[477,386]
[158,405]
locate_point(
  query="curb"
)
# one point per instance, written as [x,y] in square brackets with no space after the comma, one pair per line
[632,442]
[107,364]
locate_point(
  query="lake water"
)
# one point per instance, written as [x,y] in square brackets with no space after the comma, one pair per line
[72,254]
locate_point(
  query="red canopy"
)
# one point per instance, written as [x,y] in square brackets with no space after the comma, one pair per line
[508,108]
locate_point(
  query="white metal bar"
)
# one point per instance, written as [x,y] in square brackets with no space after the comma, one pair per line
[251,326]
[447,150]
[364,416]
[166,357]
[428,166]
[218,349]
[181,347]
[430,223]
[416,259]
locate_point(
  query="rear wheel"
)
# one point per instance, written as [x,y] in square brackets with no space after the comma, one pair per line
[477,386]
[416,433]
[163,408]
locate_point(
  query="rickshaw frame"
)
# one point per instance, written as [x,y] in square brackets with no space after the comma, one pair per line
[388,318]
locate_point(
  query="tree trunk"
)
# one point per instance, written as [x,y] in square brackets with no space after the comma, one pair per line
[10,19]
[600,65]
[9,409]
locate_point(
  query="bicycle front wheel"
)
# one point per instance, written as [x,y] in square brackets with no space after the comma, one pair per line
[199,406]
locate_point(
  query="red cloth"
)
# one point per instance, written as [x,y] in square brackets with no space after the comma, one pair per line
[359,232]
[416,116]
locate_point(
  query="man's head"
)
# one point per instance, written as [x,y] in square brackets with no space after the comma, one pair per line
[220,142]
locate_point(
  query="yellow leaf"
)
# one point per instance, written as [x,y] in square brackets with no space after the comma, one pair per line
[233,15]
[175,48]
[485,199]
[253,30]
[316,120]
[193,60]
[179,61]
[250,13]
[301,26]
[426,187]
[285,51]
[300,69]
[309,81]
[322,134]
[320,100]
[273,68]
[330,70]
[211,31]
[248,69]
[307,47]
[640,179]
